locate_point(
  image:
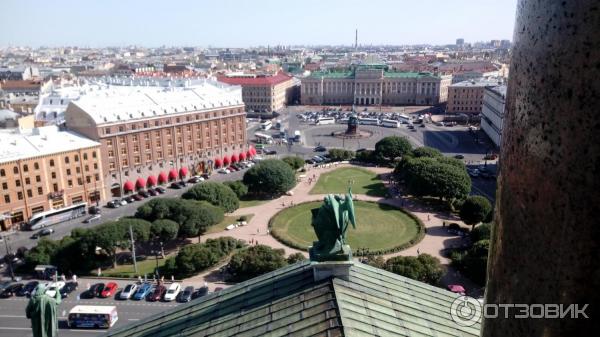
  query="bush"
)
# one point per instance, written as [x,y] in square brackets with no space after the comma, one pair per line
[271,176]
[389,148]
[341,154]
[238,187]
[475,209]
[473,262]
[164,229]
[426,151]
[214,193]
[296,257]
[192,259]
[366,156]
[255,261]
[424,268]
[294,162]
[482,232]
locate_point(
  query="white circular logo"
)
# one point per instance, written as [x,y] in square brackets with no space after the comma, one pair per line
[465,311]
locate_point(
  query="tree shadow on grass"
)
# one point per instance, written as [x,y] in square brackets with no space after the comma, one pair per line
[376,189]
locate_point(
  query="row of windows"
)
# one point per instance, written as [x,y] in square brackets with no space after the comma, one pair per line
[40,190]
[36,166]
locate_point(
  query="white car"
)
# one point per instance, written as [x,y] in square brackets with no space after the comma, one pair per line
[53,287]
[172,292]
[128,291]
[224,171]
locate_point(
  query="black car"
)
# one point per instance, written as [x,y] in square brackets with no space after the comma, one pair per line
[144,194]
[94,210]
[320,148]
[68,288]
[43,232]
[113,204]
[94,291]
[202,291]
[160,190]
[205,176]
[175,185]
[28,288]
[459,156]
[11,290]
[193,180]
[182,183]
[270,152]
[186,294]
[129,199]
[152,192]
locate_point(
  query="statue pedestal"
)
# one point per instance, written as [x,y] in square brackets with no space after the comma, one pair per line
[344,255]
[327,269]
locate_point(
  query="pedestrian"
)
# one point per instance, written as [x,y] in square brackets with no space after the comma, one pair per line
[418,252]
[74,278]
[99,271]
[444,223]
[428,218]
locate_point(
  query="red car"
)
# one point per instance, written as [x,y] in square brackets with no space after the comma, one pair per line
[109,290]
[158,293]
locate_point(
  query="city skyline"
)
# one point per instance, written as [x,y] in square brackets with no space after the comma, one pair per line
[113,23]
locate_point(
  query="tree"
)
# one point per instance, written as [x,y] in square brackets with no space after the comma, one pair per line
[238,187]
[392,147]
[366,156]
[296,257]
[341,154]
[216,194]
[295,162]
[375,261]
[474,210]
[473,262]
[192,259]
[271,177]
[43,253]
[426,151]
[164,230]
[424,268]
[255,261]
[434,177]
[481,232]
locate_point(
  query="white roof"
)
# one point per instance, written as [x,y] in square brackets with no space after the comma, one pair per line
[118,103]
[27,143]
[92,309]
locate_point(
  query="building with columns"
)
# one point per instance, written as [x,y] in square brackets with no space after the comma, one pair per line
[45,168]
[157,133]
[374,85]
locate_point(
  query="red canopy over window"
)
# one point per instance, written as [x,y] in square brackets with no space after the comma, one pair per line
[162,178]
[249,154]
[151,181]
[128,186]
[226,160]
[234,158]
[242,156]
[173,174]
[252,150]
[183,172]
[140,183]
[218,162]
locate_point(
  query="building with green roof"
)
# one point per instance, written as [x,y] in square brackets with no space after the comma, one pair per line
[374,84]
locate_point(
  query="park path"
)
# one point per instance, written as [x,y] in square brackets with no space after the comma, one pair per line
[256,231]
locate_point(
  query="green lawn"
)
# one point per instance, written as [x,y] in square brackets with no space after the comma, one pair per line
[365,182]
[228,220]
[144,267]
[379,227]
[249,202]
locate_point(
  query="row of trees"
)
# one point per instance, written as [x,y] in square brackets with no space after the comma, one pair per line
[257,260]
[424,268]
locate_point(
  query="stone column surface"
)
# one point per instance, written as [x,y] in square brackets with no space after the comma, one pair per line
[545,241]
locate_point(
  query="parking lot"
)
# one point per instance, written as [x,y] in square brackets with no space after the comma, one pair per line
[14,323]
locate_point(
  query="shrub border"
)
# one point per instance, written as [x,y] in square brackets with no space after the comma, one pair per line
[420,232]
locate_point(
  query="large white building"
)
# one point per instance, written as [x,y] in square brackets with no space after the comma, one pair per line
[492,114]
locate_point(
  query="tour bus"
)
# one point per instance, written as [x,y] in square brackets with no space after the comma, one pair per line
[92,316]
[266,125]
[325,120]
[54,216]
[262,138]
[297,136]
[390,123]
[368,121]
[404,119]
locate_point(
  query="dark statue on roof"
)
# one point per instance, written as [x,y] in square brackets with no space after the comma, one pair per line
[330,222]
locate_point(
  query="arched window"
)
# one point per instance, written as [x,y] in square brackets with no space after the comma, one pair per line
[2,173]
[25,168]
[16,170]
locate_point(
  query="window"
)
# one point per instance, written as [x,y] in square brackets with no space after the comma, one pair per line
[4,186]
[29,194]
[18,183]
[40,191]
[137,160]
[124,163]
[85,156]
[146,136]
[27,181]
[88,179]
[78,169]
[36,166]
[66,160]
[38,179]
[68,172]
[94,154]
[111,153]
[7,198]
[76,158]
[97,176]
[106,131]
[147,146]
[16,170]
[136,148]
[70,183]
[121,128]
[95,166]
[109,142]
[135,138]
[148,157]
[55,187]
[2,173]
[53,175]
[87,168]
[20,195]
[79,181]
[123,150]
[111,165]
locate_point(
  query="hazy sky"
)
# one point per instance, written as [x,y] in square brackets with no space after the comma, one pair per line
[242,23]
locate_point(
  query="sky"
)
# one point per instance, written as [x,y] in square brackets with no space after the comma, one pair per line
[246,23]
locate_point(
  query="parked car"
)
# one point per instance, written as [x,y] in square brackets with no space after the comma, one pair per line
[143,290]
[43,232]
[93,218]
[137,197]
[320,148]
[68,288]
[160,189]
[175,185]
[113,204]
[125,201]
[11,290]
[109,290]
[309,161]
[128,291]
[186,294]
[172,291]
[28,288]
[157,294]
[53,287]
[152,192]
[94,209]
[144,194]
[130,199]
[202,291]
[270,152]
[459,156]
[94,291]
[224,171]
[232,168]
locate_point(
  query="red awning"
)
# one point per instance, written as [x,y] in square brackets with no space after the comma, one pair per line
[242,156]
[252,150]
[128,186]
[226,160]
[162,178]
[173,174]
[140,183]
[234,158]
[151,181]
[218,162]
[249,154]
[183,172]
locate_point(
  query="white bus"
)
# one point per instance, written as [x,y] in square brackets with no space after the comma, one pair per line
[368,121]
[390,123]
[325,120]
[92,316]
[262,138]
[54,216]
[266,125]
[404,118]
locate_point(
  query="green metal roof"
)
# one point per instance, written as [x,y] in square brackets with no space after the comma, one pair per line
[389,74]
[289,302]
[333,74]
